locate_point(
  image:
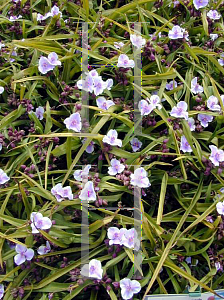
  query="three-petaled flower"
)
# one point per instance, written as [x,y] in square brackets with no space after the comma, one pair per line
[23,254]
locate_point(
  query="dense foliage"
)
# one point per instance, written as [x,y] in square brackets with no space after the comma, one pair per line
[121,133]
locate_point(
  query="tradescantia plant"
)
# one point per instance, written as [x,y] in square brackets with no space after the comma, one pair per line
[145,171]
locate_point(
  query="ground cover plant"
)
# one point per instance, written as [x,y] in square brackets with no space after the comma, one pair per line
[111,138]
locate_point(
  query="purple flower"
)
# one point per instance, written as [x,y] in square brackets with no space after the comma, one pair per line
[137,41]
[180,111]
[111,138]
[23,254]
[92,270]
[125,62]
[109,83]
[213,15]
[15,18]
[116,167]
[87,84]
[44,249]
[3,177]
[129,288]
[99,85]
[115,235]
[1,291]
[195,87]
[220,208]
[44,65]
[140,178]
[184,145]
[205,119]
[61,193]
[145,108]
[135,144]
[39,112]
[191,124]
[39,222]
[130,239]
[218,266]
[216,156]
[103,103]
[14,53]
[200,3]
[118,45]
[221,60]
[213,36]
[212,104]
[74,122]
[171,85]
[55,11]
[89,148]
[79,174]
[53,59]
[176,33]
[88,192]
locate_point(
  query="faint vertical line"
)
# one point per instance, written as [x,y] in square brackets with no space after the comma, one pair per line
[137,82]
[138,228]
[84,69]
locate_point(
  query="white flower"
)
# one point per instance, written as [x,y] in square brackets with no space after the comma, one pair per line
[118,45]
[214,36]
[1,89]
[140,178]
[111,138]
[92,270]
[125,62]
[88,192]
[129,288]
[195,87]
[212,104]
[213,15]
[116,167]
[79,174]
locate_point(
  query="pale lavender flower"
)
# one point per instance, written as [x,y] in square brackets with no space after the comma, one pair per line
[111,138]
[220,208]
[88,192]
[205,119]
[1,46]
[115,235]
[175,3]
[79,174]
[93,73]
[15,18]
[44,249]
[40,17]
[155,101]
[144,107]
[180,111]
[213,15]
[176,33]
[140,178]
[184,145]
[44,65]
[200,3]
[87,84]
[74,122]
[103,103]
[3,177]
[216,156]
[118,45]
[55,11]
[57,191]
[171,85]
[1,89]
[125,62]
[0,146]
[130,239]
[129,288]
[39,222]
[212,103]
[39,112]
[222,97]
[67,193]
[90,147]
[109,83]
[221,60]
[92,270]
[53,59]
[191,124]
[116,167]
[213,36]
[137,41]
[218,266]
[135,144]
[99,85]
[195,87]
[23,254]
[1,291]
